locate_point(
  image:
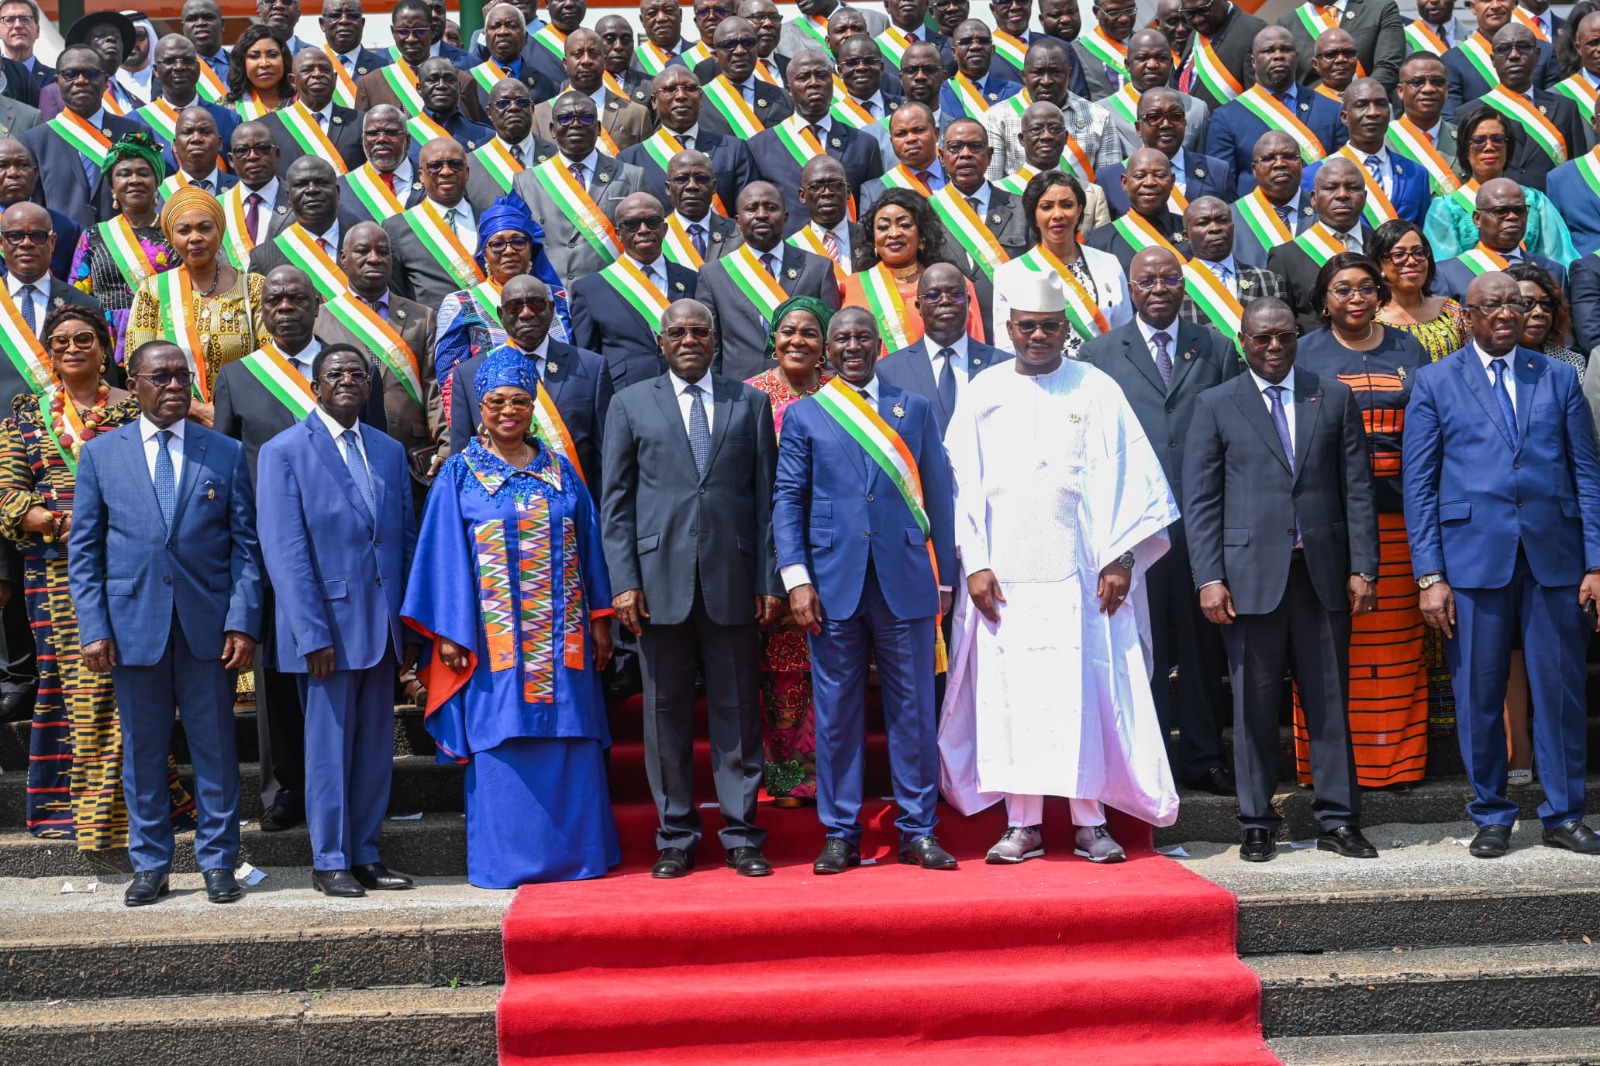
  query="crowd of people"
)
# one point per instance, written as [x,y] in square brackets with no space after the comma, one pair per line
[1043,379]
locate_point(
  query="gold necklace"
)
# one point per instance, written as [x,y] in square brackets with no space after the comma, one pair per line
[908,273]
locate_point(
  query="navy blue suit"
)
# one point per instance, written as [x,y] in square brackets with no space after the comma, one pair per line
[62,180]
[879,592]
[857,151]
[1234,131]
[67,233]
[910,369]
[1578,206]
[1585,283]
[1077,84]
[338,578]
[994,88]
[1453,276]
[1412,194]
[730,162]
[167,597]
[1466,85]
[1512,521]
[604,322]
[1204,175]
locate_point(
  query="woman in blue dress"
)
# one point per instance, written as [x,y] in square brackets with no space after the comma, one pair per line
[510,584]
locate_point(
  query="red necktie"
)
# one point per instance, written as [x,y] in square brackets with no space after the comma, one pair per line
[388,178]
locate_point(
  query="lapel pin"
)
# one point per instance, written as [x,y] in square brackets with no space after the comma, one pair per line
[361,70]
[471,146]
[338,121]
[977,361]
[603,176]
[994,218]
[1189,354]
[1307,211]
[552,368]
[761,103]
[836,142]
[1305,105]
[994,98]
[716,236]
[1542,109]
[399,312]
[1245,283]
[791,273]
[899,411]
[1199,172]
[1311,399]
[1401,371]
[678,286]
[211,494]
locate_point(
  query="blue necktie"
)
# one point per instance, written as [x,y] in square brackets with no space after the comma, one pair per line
[699,429]
[1504,396]
[91,171]
[28,309]
[166,478]
[947,379]
[358,471]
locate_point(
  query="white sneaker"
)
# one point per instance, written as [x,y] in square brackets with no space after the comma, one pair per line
[1019,844]
[1519,778]
[1096,845]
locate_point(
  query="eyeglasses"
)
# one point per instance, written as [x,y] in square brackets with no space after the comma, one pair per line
[1008,3]
[1117,13]
[514,404]
[827,184]
[1048,327]
[341,16]
[860,63]
[1400,255]
[163,379]
[1436,81]
[1191,14]
[1264,340]
[763,18]
[79,74]
[920,70]
[574,118]
[415,33]
[617,38]
[519,241]
[1484,140]
[513,103]
[956,148]
[634,225]
[689,181]
[1507,212]
[513,308]
[1545,304]
[681,333]
[440,166]
[1344,292]
[1163,118]
[85,339]
[355,377]
[944,296]
[18,20]
[1337,53]
[736,44]
[1520,306]
[974,42]
[1516,48]
[26,236]
[712,12]
[1275,157]
[1171,281]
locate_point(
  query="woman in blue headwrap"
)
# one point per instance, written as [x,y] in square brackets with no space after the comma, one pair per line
[509,582]
[510,242]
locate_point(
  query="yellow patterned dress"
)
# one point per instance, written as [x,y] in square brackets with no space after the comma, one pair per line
[229,323]
[75,752]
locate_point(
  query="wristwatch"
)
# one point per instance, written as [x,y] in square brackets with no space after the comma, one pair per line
[1427,581]
[1125,560]
[1371,579]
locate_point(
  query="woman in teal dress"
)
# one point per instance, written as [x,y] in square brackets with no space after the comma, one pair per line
[510,584]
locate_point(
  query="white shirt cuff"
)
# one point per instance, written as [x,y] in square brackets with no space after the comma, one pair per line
[794,576]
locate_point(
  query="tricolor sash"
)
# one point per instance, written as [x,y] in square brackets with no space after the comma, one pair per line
[272,369]
[211,88]
[373,192]
[768,73]
[1140,234]
[177,181]
[1320,243]
[1589,169]
[887,306]
[1406,139]
[883,446]
[1477,50]
[752,279]
[402,81]
[848,109]
[1531,23]
[795,135]
[112,102]
[1541,129]
[123,244]
[1212,73]
[651,57]
[84,138]
[1222,309]
[71,423]
[251,108]
[424,129]
[1016,181]
[893,43]
[963,223]
[1466,195]
[300,248]
[443,244]
[901,177]
[1331,94]
[486,294]
[298,120]
[1011,48]
[161,117]
[344,86]
[1379,208]
[1083,310]
[1579,91]
[236,240]
[175,294]
[1263,221]
[379,338]
[553,40]
[1124,103]
[678,247]
[1420,37]
[730,103]
[816,28]
[970,96]
[1277,116]
[661,146]
[578,206]
[552,430]
[806,240]
[1316,18]
[1113,54]
[1481,260]
[1177,202]
[25,350]
[698,53]
[488,74]
[629,282]
[497,160]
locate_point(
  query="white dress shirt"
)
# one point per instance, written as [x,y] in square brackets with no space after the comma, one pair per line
[1287,384]
[591,163]
[981,194]
[1385,167]
[303,359]
[958,362]
[330,236]
[873,104]
[466,227]
[655,272]
[1225,270]
[213,180]
[1486,359]
[268,194]
[338,432]
[689,138]
[152,447]
[41,297]
[404,177]
[841,233]
[680,388]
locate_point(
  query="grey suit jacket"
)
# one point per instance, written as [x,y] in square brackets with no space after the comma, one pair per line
[660,517]
[569,253]
[1094,73]
[1380,35]
[626,122]
[417,274]
[792,38]
[725,235]
[17,118]
[1196,117]
[741,330]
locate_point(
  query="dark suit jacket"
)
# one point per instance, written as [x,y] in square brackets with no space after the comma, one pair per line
[1247,249]
[1205,175]
[661,518]
[1242,502]
[61,178]
[1232,43]
[580,387]
[1531,165]
[417,274]
[1380,36]
[741,330]
[266,255]
[1253,282]
[1413,189]
[344,130]
[482,189]
[1201,358]
[1107,239]
[1466,85]
[67,234]
[367,61]
[910,369]
[772,106]
[1584,280]
[1077,83]
[1299,272]
[59,294]
[539,84]
[1452,276]
[536,57]
[21,84]
[855,150]
[226,118]
[409,195]
[1006,221]
[372,89]
[730,162]
[604,322]
[1235,129]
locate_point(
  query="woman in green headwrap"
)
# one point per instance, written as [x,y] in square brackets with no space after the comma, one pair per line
[114,256]
[800,324]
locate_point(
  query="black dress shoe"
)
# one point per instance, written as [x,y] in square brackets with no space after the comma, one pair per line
[837,857]
[221,887]
[1258,846]
[1347,841]
[926,853]
[282,815]
[1574,836]
[1216,781]
[147,887]
[15,705]
[673,862]
[337,883]
[1491,842]
[749,862]
[376,877]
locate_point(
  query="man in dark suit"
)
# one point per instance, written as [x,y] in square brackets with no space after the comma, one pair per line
[1375,26]
[1532,160]
[1230,34]
[1366,115]
[965,154]
[1337,197]
[282,16]
[691,190]
[867,90]
[1283,542]
[505,34]
[1468,81]
[197,150]
[624,122]
[316,219]
[202,24]
[438,46]
[1277,191]
[613,312]
[915,140]
[1147,183]
[1235,128]
[735,57]
[678,101]
[177,73]
[1502,221]
[938,366]
[1424,82]
[826,196]
[427,272]
[410,25]
[1150,66]
[1502,500]
[343,24]
[908,21]
[1208,228]
[687,479]
[616,40]
[391,155]
[879,596]
[334,498]
[1163,125]
[439,85]
[30,288]
[566,18]
[22,26]
[314,82]
[1163,364]
[972,47]
[494,167]
[811,86]
[765,269]
[577,380]
[19,181]
[262,197]
[72,181]
[165,573]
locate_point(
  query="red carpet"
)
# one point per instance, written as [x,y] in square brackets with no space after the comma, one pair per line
[1056,960]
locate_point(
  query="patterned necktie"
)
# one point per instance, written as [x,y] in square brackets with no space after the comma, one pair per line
[830,244]
[1280,422]
[252,216]
[450,216]
[91,171]
[1502,394]
[166,478]
[1375,168]
[699,429]
[516,153]
[697,237]
[926,177]
[29,312]
[1283,214]
[358,471]
[578,172]
[947,379]
[1162,338]
[203,184]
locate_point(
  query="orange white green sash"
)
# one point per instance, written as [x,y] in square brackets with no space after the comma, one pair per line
[251,108]
[443,244]
[373,193]
[629,282]
[1263,221]
[402,81]
[161,117]
[1406,139]
[112,102]
[893,43]
[759,287]
[1589,169]
[300,248]
[816,28]
[552,430]
[887,306]
[1124,103]
[1320,244]
[901,177]
[857,417]
[1317,19]
[1011,48]
[1277,116]
[696,54]
[497,160]
[1083,310]
[1378,208]
[235,233]
[22,347]
[848,109]
[123,244]
[806,240]
[578,206]
[302,125]
[1332,94]
[1018,179]
[1221,308]
[84,138]
[1579,91]
[1481,260]
[1211,72]
[1113,54]
[678,247]
[552,40]
[1531,23]
[963,223]
[379,338]
[651,57]
[71,422]
[175,294]
[486,294]
[1476,49]
[273,371]
[424,129]
[344,86]
[730,103]
[1140,234]
[488,74]
[1177,202]
[970,96]
[177,181]
[797,138]
[1544,132]
[1420,37]
[1466,196]
[211,88]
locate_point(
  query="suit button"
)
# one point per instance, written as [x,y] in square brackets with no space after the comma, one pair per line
[167,580]
[866,532]
[869,497]
[1290,531]
[694,532]
[378,582]
[1172,444]
[1516,466]
[701,490]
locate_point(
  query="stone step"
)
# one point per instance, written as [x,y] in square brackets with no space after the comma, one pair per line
[1480,1047]
[444,1026]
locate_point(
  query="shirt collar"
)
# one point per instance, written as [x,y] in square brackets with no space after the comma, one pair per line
[1592,79]
[148,429]
[656,266]
[870,388]
[403,174]
[540,351]
[599,96]
[463,210]
[1485,358]
[933,346]
[1225,263]
[98,119]
[267,192]
[309,353]
[591,162]
[1149,332]
[334,427]
[1262,384]
[679,386]
[692,132]
[685,221]
[1178,161]
[14,284]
